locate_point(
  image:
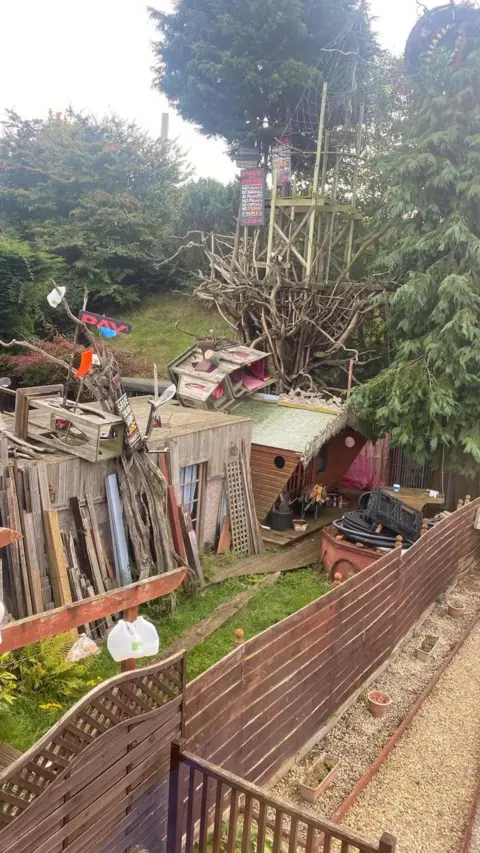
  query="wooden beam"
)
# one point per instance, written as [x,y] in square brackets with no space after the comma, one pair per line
[56,558]
[63,619]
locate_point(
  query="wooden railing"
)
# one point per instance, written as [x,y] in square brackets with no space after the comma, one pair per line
[213,811]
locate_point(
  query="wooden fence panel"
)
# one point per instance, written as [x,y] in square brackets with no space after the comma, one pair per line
[254,710]
[99,779]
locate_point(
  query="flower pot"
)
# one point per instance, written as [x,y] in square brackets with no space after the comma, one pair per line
[456,610]
[324,770]
[300,525]
[378,703]
[425,650]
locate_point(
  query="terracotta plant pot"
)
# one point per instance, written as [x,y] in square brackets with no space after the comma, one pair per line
[426,648]
[326,768]
[455,610]
[378,703]
[300,525]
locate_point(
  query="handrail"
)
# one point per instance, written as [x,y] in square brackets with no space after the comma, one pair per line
[266,801]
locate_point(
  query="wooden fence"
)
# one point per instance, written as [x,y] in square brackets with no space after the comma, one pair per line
[222,813]
[255,709]
[98,781]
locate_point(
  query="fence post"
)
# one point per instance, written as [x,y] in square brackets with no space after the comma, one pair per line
[388,843]
[175,794]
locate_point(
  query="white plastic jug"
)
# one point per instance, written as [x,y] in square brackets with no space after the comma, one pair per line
[124,642]
[55,296]
[148,635]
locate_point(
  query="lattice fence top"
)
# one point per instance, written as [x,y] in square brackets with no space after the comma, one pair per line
[124,697]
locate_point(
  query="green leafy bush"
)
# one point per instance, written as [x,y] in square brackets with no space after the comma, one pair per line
[43,669]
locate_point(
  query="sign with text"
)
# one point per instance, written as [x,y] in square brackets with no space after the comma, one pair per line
[282,161]
[132,433]
[252,205]
[102,322]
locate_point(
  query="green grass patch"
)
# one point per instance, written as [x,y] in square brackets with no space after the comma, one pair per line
[26,720]
[155,337]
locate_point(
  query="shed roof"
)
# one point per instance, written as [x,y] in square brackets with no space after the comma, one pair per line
[297,428]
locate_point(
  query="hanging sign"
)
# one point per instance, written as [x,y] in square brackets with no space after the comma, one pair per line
[252,204]
[132,432]
[246,158]
[282,161]
[102,322]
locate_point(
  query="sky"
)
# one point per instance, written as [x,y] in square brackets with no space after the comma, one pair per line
[96,55]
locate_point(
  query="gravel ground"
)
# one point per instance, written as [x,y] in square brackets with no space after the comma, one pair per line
[423,792]
[358,738]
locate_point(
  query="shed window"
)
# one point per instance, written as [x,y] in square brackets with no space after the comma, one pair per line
[191,490]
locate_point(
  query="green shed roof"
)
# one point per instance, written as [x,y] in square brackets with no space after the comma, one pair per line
[296,429]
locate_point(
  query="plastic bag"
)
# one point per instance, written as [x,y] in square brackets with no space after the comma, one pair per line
[82,648]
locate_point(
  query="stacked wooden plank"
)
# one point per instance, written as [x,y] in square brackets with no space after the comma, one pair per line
[48,567]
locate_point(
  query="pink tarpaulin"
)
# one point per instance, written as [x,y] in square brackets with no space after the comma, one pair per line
[370,467]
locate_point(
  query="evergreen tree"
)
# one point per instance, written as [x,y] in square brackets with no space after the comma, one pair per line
[101,195]
[429,396]
[237,67]
[25,279]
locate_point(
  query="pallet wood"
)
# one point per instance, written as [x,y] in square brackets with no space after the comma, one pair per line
[3,462]
[58,569]
[81,536]
[174,512]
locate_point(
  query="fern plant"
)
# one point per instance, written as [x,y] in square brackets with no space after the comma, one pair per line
[8,682]
[43,669]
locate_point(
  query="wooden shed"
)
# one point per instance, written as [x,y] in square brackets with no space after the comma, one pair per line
[295,446]
[197,443]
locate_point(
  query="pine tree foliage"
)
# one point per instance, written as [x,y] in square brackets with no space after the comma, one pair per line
[429,396]
[238,67]
[24,282]
[101,195]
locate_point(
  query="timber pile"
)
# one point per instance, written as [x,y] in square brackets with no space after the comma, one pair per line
[46,567]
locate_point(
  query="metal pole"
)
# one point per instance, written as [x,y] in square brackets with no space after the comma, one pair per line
[316,177]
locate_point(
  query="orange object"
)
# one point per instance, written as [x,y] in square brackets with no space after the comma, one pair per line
[85,364]
[8,536]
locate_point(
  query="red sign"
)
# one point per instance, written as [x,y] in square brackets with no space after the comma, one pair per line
[252,206]
[100,321]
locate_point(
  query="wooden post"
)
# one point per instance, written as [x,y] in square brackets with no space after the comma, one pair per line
[388,843]
[130,614]
[271,224]
[316,178]
[174,828]
[239,635]
[358,151]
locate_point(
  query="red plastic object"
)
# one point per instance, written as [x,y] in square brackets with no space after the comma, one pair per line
[85,364]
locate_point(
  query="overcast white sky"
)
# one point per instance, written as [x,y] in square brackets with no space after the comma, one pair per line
[95,55]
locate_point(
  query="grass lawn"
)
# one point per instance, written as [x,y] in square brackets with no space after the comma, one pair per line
[25,722]
[154,336]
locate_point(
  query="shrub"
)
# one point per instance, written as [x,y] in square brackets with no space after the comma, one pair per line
[43,669]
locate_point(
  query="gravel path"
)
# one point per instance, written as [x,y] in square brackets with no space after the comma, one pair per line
[358,738]
[423,792]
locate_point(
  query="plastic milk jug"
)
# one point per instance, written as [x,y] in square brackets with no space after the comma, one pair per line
[124,642]
[148,635]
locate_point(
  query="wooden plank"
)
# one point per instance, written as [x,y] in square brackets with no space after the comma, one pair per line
[33,567]
[174,512]
[3,462]
[81,536]
[43,486]
[63,619]
[225,540]
[97,539]
[14,558]
[58,569]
